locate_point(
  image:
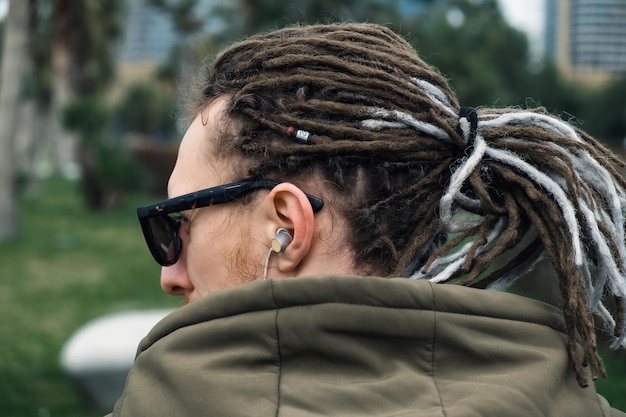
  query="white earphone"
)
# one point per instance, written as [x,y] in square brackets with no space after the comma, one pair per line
[281,240]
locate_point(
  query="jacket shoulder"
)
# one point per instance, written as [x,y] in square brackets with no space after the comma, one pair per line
[607,410]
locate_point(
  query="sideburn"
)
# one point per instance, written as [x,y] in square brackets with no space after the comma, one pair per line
[241,263]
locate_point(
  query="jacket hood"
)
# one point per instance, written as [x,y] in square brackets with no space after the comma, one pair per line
[353,346]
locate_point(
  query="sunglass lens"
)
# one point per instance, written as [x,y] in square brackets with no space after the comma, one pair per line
[165,241]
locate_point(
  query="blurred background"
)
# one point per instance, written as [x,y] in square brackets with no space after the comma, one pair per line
[88,131]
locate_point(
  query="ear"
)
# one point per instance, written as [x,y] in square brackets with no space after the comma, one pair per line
[287,206]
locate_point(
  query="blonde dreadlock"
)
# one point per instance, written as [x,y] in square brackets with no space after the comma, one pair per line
[432,191]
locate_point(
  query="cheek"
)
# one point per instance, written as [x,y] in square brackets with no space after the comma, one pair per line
[201,262]
[243,263]
[221,254]
[205,257]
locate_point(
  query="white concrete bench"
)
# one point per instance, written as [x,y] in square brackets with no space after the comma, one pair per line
[98,356]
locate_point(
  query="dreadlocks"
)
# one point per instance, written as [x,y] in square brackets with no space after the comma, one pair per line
[431,190]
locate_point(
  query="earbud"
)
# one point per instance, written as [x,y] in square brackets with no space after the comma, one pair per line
[281,240]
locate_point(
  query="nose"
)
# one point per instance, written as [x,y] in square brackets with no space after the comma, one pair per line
[175,280]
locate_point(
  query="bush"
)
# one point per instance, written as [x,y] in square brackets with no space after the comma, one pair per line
[108,170]
[147,110]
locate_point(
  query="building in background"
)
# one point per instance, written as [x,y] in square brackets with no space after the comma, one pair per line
[587,38]
[148,33]
[149,36]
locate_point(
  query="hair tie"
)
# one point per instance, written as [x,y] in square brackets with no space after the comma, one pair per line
[468,124]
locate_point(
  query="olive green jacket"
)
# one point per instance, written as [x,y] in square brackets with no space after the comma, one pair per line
[353,346]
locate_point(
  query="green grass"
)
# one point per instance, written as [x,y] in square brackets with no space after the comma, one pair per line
[613,388]
[69,266]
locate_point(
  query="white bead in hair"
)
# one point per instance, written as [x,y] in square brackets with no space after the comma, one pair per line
[302,135]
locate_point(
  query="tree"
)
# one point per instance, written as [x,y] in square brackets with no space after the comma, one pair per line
[187,21]
[83,44]
[13,61]
[83,39]
[607,120]
[32,131]
[241,18]
[147,109]
[470,42]
[247,17]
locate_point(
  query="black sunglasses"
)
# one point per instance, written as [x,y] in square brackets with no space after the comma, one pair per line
[161,230]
